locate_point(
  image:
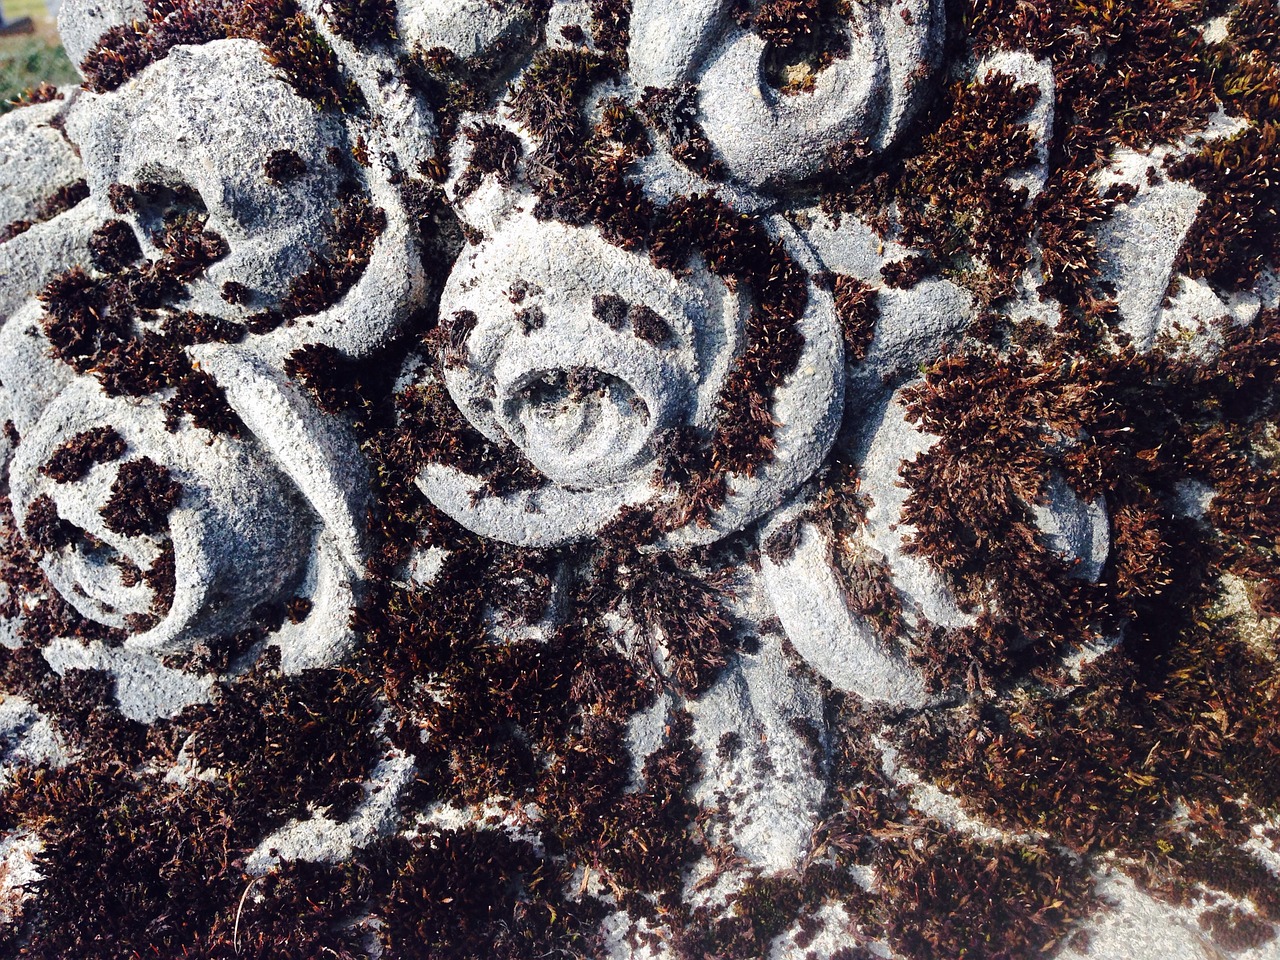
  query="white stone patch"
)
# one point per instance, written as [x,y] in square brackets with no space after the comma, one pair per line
[321,840]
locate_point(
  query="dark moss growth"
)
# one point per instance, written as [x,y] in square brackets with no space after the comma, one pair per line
[264,322]
[1234,239]
[236,293]
[363,22]
[531,319]
[141,498]
[119,850]
[186,328]
[189,248]
[285,32]
[122,197]
[431,423]
[325,372]
[73,459]
[44,530]
[858,311]
[335,268]
[683,612]
[804,37]
[904,274]
[283,166]
[30,599]
[494,150]
[360,151]
[162,578]
[125,49]
[647,325]
[1234,930]
[475,893]
[305,57]
[953,195]
[113,246]
[298,609]
[15,229]
[611,29]
[737,248]
[673,113]
[199,397]
[954,898]
[281,743]
[58,202]
[78,323]
[1178,718]
[610,309]
[138,367]
[453,86]
[43,92]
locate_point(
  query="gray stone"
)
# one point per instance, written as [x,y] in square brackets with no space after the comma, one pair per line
[516,384]
[81,23]
[284,510]
[770,137]
[35,159]
[810,601]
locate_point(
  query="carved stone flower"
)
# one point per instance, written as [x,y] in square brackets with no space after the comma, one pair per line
[219,236]
[595,366]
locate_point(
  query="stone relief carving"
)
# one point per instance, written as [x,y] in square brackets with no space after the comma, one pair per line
[602,360]
[336,336]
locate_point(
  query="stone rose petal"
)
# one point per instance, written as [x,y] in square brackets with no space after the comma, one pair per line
[521,357]
[767,137]
[237,532]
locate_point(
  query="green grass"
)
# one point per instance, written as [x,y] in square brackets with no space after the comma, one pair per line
[17,9]
[28,59]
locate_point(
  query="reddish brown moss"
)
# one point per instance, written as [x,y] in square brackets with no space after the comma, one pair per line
[77,322]
[72,460]
[142,496]
[858,311]
[738,249]
[201,398]
[58,202]
[326,373]
[186,328]
[44,530]
[113,246]
[288,36]
[804,36]
[949,897]
[673,113]
[363,22]
[432,428]
[475,893]
[494,150]
[341,261]
[43,92]
[283,166]
[1234,238]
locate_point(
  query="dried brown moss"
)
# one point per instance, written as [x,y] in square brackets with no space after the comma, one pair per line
[73,459]
[141,498]
[58,202]
[287,35]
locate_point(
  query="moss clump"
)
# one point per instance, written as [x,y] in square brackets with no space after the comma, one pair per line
[30,67]
[73,459]
[142,496]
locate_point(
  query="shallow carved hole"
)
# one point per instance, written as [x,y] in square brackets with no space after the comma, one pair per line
[164,200]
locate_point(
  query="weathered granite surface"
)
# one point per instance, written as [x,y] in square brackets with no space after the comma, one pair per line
[522,479]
